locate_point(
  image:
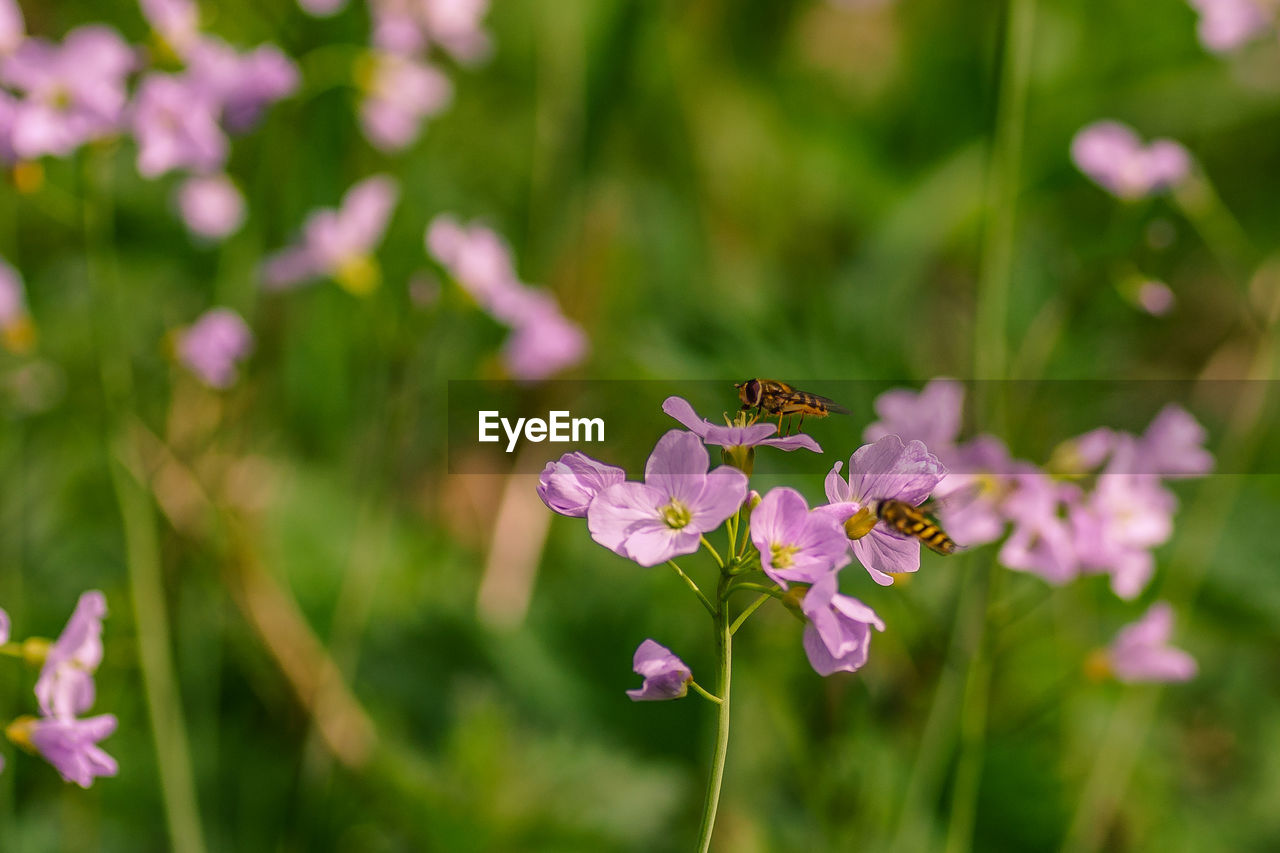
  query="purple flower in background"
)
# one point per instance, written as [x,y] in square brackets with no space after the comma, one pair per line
[1141,651]
[1228,24]
[70,745]
[339,242]
[666,515]
[932,415]
[665,675]
[1173,446]
[214,345]
[755,435]
[12,302]
[887,469]
[13,28]
[1041,542]
[177,22]
[4,626]
[971,497]
[401,93]
[322,8]
[71,93]
[796,544]
[543,341]
[568,485]
[176,124]
[65,686]
[1113,156]
[456,26]
[838,635]
[241,85]
[1155,298]
[211,206]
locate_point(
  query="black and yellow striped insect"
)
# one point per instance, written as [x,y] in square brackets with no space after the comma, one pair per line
[912,521]
[771,397]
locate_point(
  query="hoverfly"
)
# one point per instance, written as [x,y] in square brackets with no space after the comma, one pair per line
[771,397]
[912,521]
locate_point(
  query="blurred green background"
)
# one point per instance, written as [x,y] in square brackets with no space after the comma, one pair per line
[714,189]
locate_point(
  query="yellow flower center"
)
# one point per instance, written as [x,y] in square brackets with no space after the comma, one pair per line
[781,555]
[358,275]
[860,523]
[676,515]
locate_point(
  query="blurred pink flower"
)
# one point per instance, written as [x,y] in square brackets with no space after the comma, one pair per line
[1113,156]
[177,22]
[322,8]
[1141,651]
[543,341]
[1228,24]
[211,206]
[457,26]
[242,85]
[69,744]
[65,686]
[931,415]
[837,637]
[213,346]
[1173,446]
[12,302]
[1041,541]
[1155,298]
[175,121]
[13,28]
[339,242]
[71,93]
[401,93]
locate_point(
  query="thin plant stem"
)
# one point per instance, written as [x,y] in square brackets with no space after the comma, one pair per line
[142,546]
[751,608]
[706,543]
[702,691]
[706,602]
[755,587]
[724,659]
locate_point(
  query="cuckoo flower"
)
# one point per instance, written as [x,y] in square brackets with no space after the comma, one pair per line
[887,469]
[176,124]
[1041,541]
[214,345]
[1155,297]
[176,22]
[932,415]
[241,84]
[1113,156]
[13,28]
[665,675]
[796,544]
[4,627]
[322,8]
[65,686]
[1141,651]
[666,515]
[755,435]
[1173,446]
[211,206]
[16,330]
[400,93]
[543,343]
[838,634]
[72,93]
[1228,24]
[70,745]
[456,26]
[568,485]
[339,242]
[971,497]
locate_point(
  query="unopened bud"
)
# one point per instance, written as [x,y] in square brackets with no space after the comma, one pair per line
[19,732]
[35,650]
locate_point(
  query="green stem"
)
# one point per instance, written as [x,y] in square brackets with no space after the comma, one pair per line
[706,543]
[706,602]
[751,608]
[724,656]
[754,587]
[702,691]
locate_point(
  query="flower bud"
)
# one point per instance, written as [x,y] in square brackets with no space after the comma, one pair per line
[742,458]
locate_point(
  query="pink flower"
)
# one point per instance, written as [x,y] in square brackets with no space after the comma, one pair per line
[1113,156]
[70,745]
[1041,542]
[1141,651]
[175,21]
[1155,298]
[1173,446]
[175,121]
[666,515]
[456,26]
[241,85]
[970,499]
[322,8]
[796,544]
[214,345]
[543,343]
[339,242]
[4,627]
[887,469]
[755,435]
[12,302]
[932,415]
[402,92]
[211,206]
[569,485]
[13,28]
[1228,24]
[837,637]
[65,686]
[72,93]
[665,675]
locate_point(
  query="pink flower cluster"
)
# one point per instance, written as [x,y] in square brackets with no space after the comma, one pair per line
[64,691]
[1113,156]
[542,341]
[402,87]
[1226,25]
